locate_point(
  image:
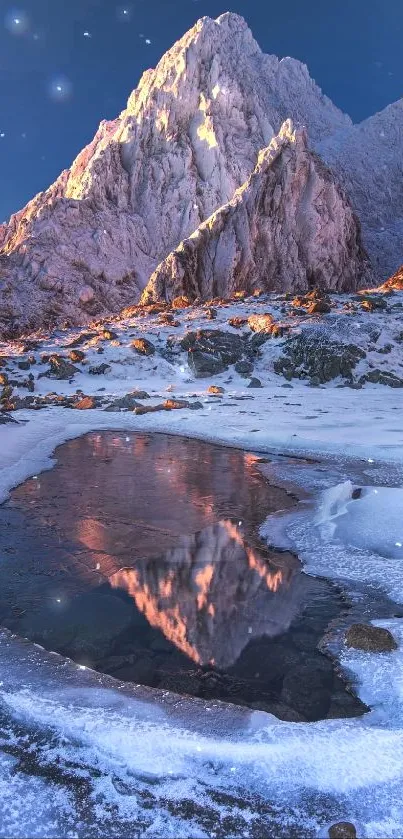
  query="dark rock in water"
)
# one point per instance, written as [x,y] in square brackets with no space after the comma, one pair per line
[143,346]
[254,382]
[100,369]
[370,638]
[212,351]
[244,368]
[60,368]
[342,830]
[308,688]
[382,377]
[315,357]
[356,493]
[23,365]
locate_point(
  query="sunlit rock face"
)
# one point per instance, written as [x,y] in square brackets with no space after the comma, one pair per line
[288,228]
[189,137]
[213,593]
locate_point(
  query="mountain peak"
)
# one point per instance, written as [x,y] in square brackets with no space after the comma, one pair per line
[189,138]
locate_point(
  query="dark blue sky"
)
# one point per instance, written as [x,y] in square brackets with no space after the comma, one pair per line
[352,48]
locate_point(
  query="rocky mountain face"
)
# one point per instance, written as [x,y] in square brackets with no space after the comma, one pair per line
[289,228]
[188,139]
[368,161]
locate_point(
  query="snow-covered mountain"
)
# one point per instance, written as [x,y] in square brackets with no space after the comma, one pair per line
[188,139]
[368,161]
[290,227]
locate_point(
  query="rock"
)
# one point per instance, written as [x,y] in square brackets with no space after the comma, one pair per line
[394,283]
[370,304]
[60,368]
[215,390]
[319,307]
[237,322]
[202,364]
[174,404]
[76,356]
[86,403]
[143,346]
[342,830]
[370,638]
[211,313]
[261,323]
[81,339]
[366,164]
[149,409]
[86,295]
[100,369]
[316,357]
[5,418]
[181,302]
[382,377]
[261,239]
[109,335]
[23,365]
[128,402]
[254,382]
[244,368]
[212,351]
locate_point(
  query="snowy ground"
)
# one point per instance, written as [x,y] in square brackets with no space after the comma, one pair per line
[82,755]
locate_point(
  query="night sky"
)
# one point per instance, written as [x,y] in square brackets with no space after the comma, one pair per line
[67,64]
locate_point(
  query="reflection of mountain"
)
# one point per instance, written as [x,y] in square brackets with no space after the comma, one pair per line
[212,593]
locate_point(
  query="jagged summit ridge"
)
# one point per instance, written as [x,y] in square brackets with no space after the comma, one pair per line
[288,228]
[188,139]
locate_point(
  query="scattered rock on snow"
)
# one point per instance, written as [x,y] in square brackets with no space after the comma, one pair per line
[60,368]
[143,346]
[99,369]
[342,830]
[315,357]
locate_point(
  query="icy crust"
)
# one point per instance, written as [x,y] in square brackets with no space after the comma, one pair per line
[153,764]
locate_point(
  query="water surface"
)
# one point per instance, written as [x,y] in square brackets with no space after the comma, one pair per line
[139,555]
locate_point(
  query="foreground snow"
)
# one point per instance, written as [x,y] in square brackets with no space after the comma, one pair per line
[83,755]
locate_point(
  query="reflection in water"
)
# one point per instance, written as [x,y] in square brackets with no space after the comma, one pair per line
[212,593]
[214,614]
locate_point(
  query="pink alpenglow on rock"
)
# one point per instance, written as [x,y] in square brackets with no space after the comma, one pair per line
[188,139]
[288,228]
